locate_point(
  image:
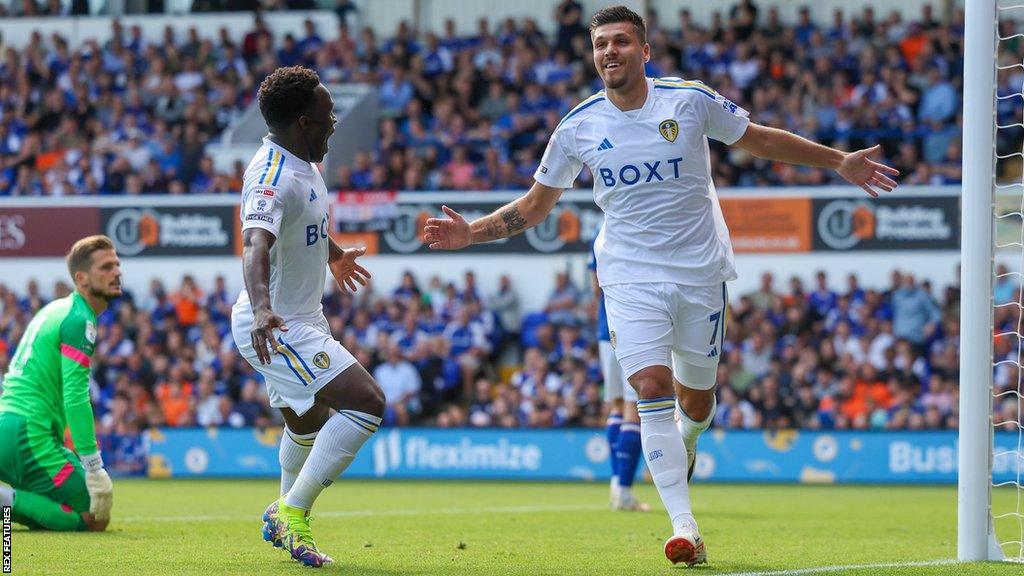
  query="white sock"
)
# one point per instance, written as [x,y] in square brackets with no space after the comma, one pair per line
[6,496]
[691,429]
[294,450]
[666,458]
[333,450]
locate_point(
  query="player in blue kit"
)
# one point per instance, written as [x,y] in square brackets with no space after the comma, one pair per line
[663,254]
[623,425]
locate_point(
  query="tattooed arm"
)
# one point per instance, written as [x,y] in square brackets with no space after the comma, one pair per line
[455,232]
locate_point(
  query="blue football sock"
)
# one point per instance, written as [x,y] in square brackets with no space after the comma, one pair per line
[627,453]
[612,429]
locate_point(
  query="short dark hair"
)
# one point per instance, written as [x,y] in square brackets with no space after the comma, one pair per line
[287,94]
[613,14]
[79,258]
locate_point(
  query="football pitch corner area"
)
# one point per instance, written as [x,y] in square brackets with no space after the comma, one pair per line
[391,527]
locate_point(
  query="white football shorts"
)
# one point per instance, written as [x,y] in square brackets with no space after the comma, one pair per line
[615,385]
[664,324]
[309,359]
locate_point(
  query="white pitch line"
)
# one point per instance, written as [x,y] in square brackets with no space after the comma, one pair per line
[362,513]
[824,569]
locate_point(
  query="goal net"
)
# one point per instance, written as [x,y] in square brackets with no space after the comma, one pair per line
[991,443]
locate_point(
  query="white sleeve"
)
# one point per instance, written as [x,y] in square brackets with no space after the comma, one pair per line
[722,120]
[560,166]
[413,382]
[262,207]
[479,338]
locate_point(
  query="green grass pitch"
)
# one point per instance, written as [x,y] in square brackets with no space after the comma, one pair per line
[391,528]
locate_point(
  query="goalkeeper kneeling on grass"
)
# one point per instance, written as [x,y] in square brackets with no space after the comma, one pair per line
[45,391]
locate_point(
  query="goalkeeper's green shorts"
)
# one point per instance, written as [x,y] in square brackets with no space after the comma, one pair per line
[36,461]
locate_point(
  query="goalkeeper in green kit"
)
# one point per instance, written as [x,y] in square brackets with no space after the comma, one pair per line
[45,390]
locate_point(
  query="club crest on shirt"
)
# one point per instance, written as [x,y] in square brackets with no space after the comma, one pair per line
[322,360]
[669,129]
[90,331]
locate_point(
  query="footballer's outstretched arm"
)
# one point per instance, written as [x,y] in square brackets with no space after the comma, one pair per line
[855,167]
[455,232]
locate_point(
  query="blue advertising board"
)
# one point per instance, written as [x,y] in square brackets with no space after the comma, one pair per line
[582,454]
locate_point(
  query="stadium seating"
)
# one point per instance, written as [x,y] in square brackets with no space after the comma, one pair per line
[134,115]
[864,358]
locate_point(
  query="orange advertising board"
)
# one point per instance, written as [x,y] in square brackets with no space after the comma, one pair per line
[768,224]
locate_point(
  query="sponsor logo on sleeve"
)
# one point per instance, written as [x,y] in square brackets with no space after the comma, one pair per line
[260,217]
[261,204]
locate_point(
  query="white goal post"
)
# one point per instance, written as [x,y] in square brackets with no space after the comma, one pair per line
[976,538]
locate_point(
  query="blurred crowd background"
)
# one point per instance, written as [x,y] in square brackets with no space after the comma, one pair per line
[832,355]
[472,109]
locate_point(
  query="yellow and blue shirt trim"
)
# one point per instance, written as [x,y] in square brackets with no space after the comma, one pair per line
[583,106]
[272,172]
[679,84]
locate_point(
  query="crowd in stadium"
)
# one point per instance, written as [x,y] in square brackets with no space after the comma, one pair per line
[448,355]
[468,110]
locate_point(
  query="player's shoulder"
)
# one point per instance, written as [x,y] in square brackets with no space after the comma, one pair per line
[78,323]
[269,174]
[583,110]
[269,166]
[678,88]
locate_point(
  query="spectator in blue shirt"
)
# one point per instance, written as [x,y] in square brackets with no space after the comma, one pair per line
[915,315]
[822,299]
[395,93]
[563,300]
[939,102]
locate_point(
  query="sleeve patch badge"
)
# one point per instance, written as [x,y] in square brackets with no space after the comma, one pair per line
[260,204]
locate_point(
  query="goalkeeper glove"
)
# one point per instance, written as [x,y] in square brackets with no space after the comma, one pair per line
[101,490]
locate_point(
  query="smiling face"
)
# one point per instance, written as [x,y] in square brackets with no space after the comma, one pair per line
[619,54]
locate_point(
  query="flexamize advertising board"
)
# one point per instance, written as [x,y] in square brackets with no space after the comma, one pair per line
[582,454]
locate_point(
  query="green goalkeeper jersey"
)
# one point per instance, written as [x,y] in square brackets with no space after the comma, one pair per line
[48,379]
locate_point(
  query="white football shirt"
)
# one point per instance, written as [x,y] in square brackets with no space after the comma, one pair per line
[652,179]
[287,197]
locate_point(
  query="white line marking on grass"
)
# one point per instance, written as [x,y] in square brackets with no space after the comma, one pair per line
[823,569]
[362,513]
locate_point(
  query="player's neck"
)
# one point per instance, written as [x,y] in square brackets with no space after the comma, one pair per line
[629,97]
[292,144]
[97,304]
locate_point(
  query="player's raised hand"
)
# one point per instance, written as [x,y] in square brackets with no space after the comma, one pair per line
[858,169]
[451,233]
[347,271]
[262,334]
